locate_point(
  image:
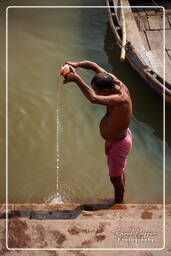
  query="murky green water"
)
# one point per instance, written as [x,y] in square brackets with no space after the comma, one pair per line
[40,41]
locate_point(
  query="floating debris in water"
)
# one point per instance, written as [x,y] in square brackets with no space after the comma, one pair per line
[68,189]
[89,208]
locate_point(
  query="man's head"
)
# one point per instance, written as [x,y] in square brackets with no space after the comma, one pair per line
[103,81]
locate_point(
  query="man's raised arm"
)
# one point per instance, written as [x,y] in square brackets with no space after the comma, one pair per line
[87,64]
[90,94]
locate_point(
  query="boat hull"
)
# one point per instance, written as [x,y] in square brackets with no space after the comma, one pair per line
[155,81]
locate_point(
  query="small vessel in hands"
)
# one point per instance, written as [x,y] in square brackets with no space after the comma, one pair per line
[66,69]
[139,32]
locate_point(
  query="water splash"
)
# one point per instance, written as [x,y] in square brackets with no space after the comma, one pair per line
[57,147]
[57,198]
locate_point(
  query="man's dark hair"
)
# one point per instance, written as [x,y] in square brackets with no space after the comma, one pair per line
[103,81]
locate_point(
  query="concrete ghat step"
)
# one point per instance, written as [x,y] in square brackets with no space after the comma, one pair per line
[84,215]
[80,206]
[94,233]
[86,231]
[81,215]
[78,212]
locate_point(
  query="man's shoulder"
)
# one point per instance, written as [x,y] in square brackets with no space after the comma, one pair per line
[125,90]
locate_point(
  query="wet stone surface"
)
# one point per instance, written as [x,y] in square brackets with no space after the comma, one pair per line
[101,229]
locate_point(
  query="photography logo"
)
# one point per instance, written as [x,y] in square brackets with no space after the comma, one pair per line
[136,235]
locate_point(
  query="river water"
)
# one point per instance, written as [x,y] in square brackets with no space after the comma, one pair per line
[45,116]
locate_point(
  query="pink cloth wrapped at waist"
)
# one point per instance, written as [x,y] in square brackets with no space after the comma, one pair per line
[117,153]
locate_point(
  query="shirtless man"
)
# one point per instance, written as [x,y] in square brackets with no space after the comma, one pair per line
[111,92]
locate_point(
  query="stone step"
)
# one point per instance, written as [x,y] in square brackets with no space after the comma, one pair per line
[79,212]
[76,233]
[80,206]
[122,226]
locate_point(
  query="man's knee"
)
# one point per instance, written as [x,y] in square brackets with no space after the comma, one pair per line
[118,181]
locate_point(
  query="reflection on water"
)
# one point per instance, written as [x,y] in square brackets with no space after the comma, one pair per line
[40,40]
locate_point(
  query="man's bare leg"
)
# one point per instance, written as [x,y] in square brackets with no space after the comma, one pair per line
[119,188]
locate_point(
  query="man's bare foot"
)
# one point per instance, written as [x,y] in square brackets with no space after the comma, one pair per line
[113,202]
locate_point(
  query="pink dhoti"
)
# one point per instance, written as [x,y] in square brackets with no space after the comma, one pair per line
[117,153]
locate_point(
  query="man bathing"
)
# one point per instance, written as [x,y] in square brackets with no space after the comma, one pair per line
[110,91]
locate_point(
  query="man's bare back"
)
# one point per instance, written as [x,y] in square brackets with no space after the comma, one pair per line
[114,124]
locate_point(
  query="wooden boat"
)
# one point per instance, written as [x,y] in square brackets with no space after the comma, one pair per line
[144,42]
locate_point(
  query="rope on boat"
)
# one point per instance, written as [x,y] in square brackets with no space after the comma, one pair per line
[155,3]
[123,51]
